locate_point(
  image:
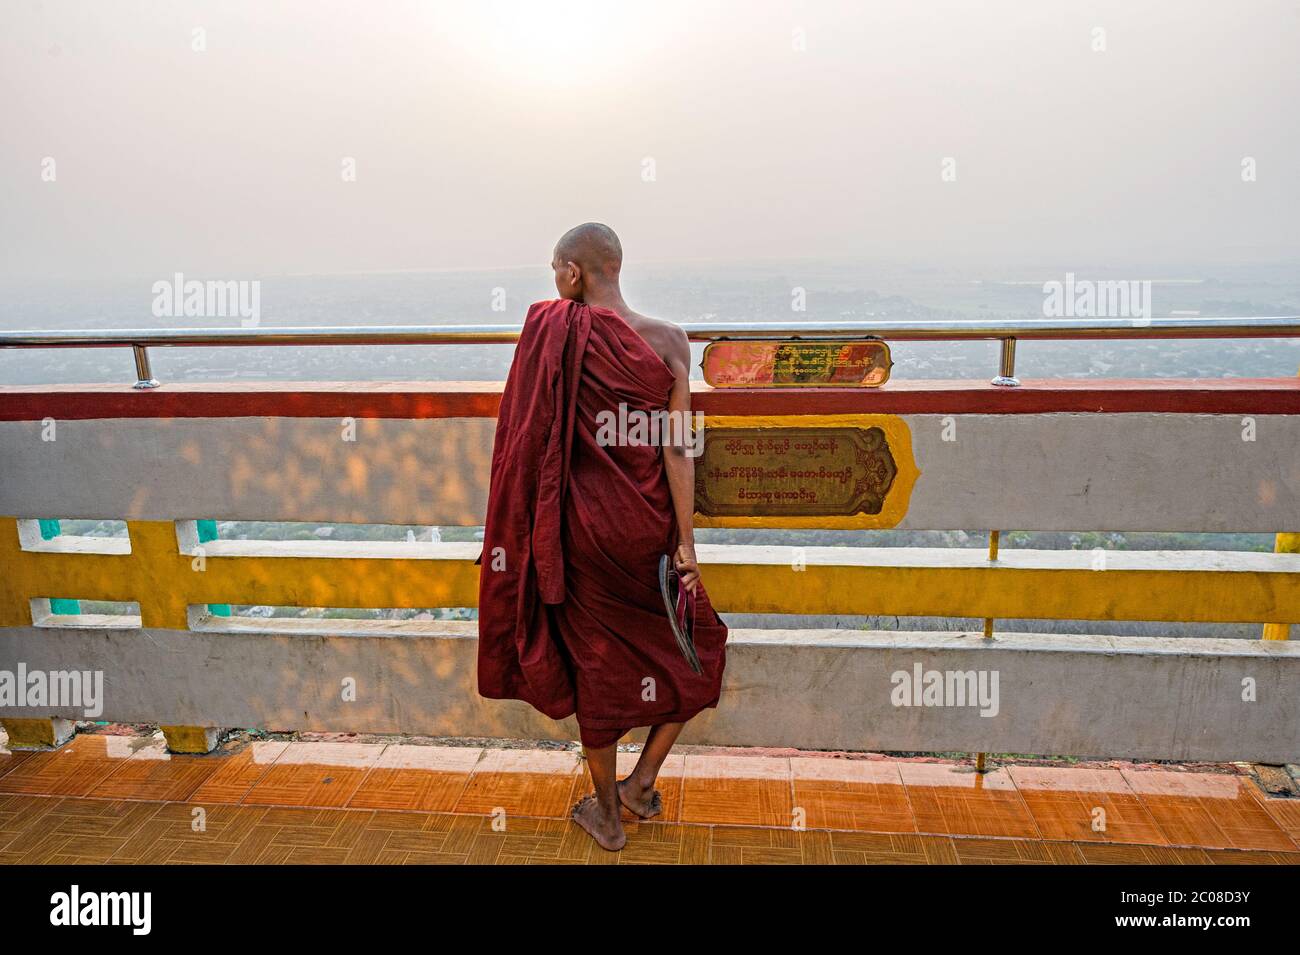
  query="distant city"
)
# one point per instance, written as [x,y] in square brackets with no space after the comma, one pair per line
[832,291]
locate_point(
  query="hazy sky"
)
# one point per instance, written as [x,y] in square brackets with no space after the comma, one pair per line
[480,131]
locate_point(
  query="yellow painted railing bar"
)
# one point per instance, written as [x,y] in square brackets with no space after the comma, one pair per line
[1160,586]
[1007,591]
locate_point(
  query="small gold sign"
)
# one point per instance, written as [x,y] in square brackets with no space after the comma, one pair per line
[793,472]
[797,363]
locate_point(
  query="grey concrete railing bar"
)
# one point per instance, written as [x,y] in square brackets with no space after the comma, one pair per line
[1007,332]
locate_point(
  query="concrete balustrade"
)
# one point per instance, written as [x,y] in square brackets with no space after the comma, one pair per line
[1044,465]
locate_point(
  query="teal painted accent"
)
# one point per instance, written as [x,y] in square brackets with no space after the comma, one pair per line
[208,532]
[50,529]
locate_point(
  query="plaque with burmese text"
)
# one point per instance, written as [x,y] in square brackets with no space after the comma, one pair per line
[797,363]
[791,472]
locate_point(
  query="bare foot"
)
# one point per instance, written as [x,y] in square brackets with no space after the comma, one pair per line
[605,828]
[643,801]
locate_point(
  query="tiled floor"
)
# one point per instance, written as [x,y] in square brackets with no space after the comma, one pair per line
[963,802]
[1088,805]
[1220,811]
[125,800]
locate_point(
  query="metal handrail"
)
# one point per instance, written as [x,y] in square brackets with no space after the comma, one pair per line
[1008,332]
[1283,326]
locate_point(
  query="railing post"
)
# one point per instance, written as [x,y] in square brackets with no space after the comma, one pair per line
[46,732]
[143,376]
[993,555]
[194,740]
[994,539]
[1007,371]
[1285,544]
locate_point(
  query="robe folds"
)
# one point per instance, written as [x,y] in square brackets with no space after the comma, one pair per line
[570,615]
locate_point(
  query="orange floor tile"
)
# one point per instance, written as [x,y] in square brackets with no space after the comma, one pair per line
[869,848]
[429,778]
[236,775]
[957,800]
[1200,809]
[72,770]
[153,773]
[125,800]
[1286,813]
[866,795]
[1089,805]
[521,782]
[741,790]
[315,774]
[10,759]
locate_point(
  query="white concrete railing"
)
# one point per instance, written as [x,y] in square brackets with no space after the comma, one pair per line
[1146,697]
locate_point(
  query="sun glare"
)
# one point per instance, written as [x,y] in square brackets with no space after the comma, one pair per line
[549,45]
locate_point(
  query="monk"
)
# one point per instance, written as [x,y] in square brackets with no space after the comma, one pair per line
[571,616]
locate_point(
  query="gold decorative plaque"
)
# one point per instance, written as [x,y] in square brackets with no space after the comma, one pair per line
[804,471]
[797,363]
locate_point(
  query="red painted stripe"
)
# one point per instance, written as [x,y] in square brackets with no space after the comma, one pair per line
[1034,396]
[480,399]
[254,400]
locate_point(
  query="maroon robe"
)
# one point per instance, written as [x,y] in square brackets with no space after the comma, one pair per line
[570,615]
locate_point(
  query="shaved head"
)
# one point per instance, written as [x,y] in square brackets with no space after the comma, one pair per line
[593,247]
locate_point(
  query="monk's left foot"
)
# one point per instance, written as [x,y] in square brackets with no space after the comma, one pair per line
[643,801]
[604,827]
